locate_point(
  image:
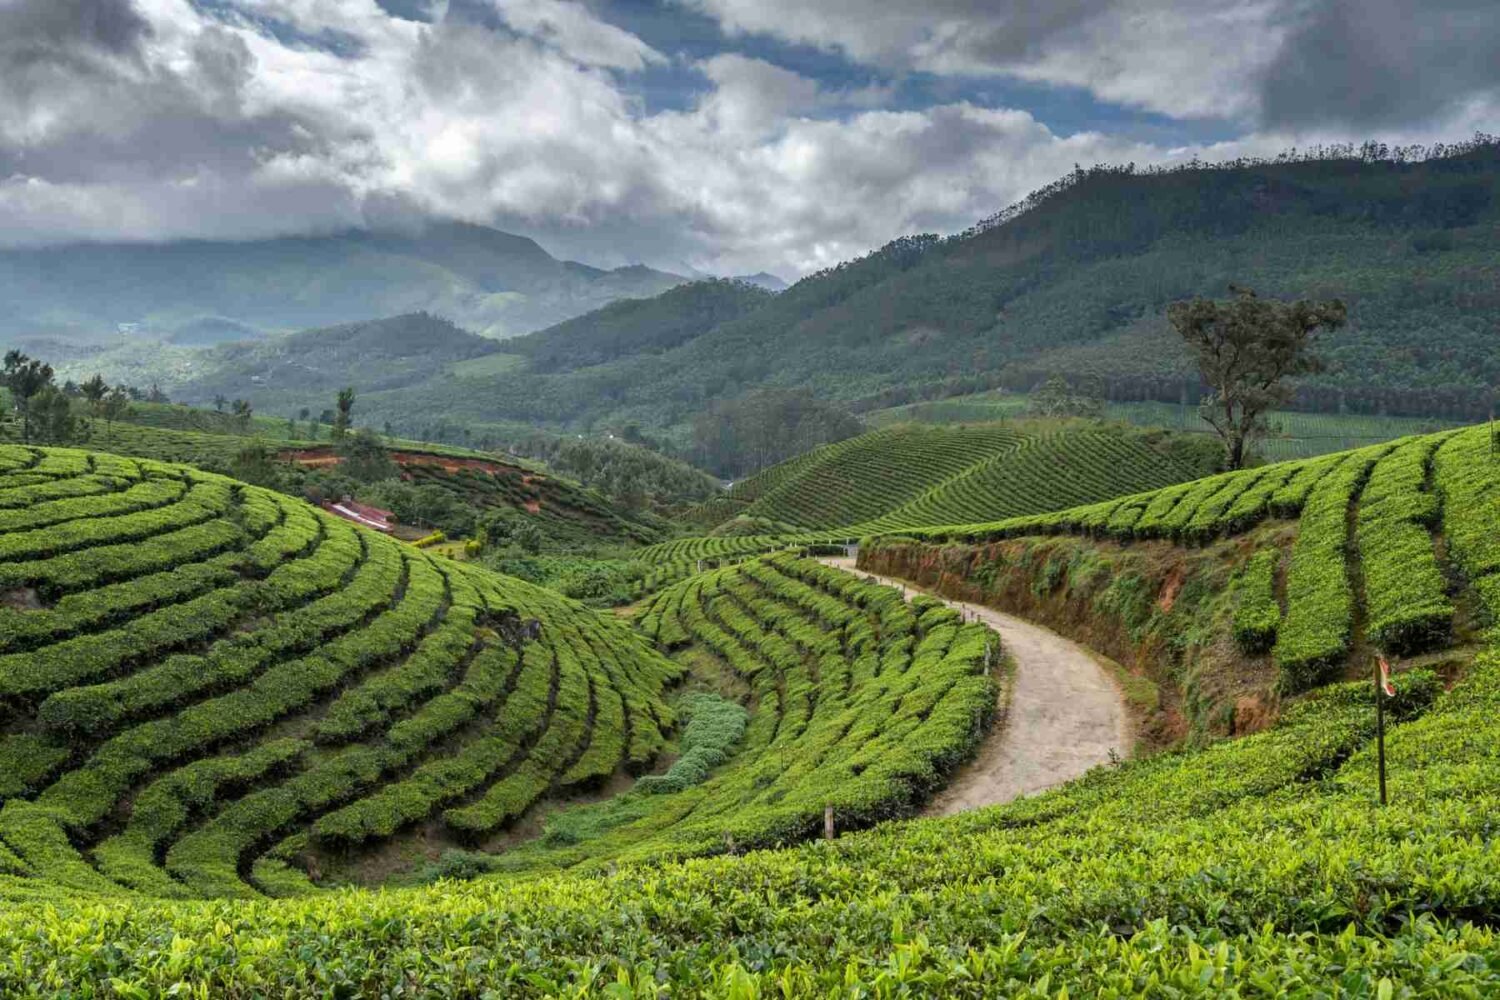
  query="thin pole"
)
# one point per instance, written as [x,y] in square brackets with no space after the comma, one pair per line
[1380,728]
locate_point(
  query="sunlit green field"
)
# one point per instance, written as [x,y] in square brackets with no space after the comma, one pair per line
[1294,435]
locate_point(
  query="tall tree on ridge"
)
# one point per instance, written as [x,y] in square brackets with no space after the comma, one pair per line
[25,378]
[115,406]
[345,408]
[1247,347]
[94,390]
[243,411]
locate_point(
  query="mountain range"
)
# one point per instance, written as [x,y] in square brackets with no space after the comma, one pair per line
[199,292]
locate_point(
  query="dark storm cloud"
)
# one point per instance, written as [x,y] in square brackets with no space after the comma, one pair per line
[41,28]
[1381,63]
[47,42]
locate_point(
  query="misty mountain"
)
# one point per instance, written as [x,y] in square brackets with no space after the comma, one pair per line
[764,279]
[201,292]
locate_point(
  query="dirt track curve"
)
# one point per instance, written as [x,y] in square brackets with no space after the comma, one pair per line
[1063,715]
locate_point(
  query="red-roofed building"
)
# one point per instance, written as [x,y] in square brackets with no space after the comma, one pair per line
[361,513]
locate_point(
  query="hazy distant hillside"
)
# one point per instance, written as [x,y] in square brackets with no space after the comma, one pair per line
[201,292]
[303,368]
[1077,283]
[764,279]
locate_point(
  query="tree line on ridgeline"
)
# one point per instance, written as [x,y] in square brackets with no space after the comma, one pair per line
[50,413]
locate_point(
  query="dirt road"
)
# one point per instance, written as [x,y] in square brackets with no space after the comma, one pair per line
[1064,715]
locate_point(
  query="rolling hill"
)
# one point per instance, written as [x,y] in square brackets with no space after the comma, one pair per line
[1075,282]
[1240,866]
[565,513]
[284,373]
[915,475]
[1292,434]
[230,670]
[202,292]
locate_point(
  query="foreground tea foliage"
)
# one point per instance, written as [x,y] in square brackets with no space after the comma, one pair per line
[1259,867]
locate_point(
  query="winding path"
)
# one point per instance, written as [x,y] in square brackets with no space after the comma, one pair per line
[1063,714]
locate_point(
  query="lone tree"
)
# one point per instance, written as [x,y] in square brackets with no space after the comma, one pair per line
[242,411]
[94,390]
[346,407]
[1246,348]
[25,378]
[114,406]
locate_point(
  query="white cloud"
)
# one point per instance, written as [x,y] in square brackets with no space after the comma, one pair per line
[578,34]
[751,97]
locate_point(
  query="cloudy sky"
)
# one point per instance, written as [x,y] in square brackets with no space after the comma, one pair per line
[727,135]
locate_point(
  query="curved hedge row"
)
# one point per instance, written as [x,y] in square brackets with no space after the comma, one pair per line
[193,671]
[861,701]
[1253,867]
[920,476]
[1379,505]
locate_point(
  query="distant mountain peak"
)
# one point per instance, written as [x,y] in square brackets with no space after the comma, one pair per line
[764,279]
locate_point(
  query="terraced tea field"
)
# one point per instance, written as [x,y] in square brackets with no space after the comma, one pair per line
[202,679]
[565,512]
[1381,533]
[910,476]
[207,685]
[1294,435]
[906,478]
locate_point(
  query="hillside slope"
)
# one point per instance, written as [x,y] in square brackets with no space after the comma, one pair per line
[1077,284]
[283,374]
[1286,576]
[1252,867]
[565,512]
[928,475]
[198,674]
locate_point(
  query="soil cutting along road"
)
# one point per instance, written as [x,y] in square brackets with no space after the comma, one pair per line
[1063,714]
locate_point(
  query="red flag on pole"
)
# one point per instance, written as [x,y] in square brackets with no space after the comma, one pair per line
[1385,679]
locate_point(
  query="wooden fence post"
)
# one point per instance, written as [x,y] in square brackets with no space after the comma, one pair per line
[828,822]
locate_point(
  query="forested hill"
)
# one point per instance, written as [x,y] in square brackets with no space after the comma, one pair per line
[1076,282]
[305,367]
[639,326]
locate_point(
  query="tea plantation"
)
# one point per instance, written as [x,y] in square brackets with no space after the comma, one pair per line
[207,685]
[915,476]
[918,475]
[1366,523]
[201,677]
